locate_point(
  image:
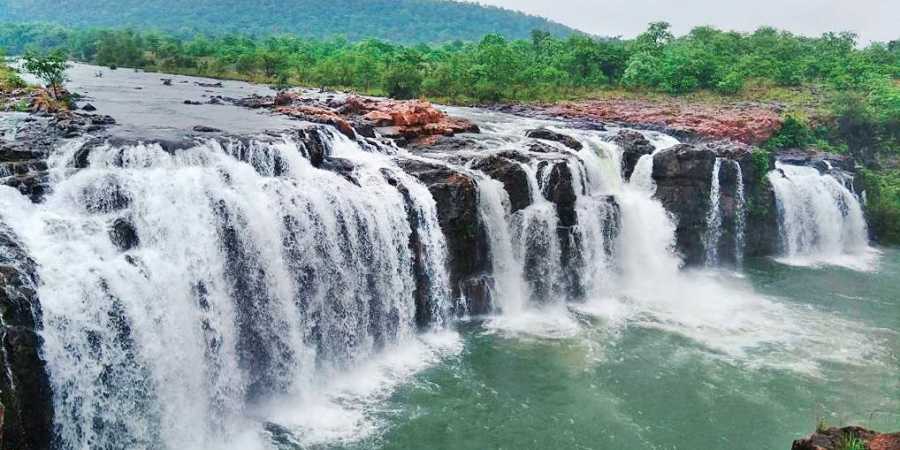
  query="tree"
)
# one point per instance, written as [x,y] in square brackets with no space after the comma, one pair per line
[49,68]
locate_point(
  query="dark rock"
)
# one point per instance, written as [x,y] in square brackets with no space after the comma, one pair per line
[513,177]
[217,84]
[123,235]
[456,196]
[192,102]
[88,107]
[824,162]
[549,135]
[206,129]
[634,146]
[256,102]
[683,182]
[166,81]
[477,293]
[105,195]
[102,120]
[25,391]
[283,99]
[560,190]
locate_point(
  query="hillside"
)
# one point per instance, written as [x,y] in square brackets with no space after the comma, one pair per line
[394,20]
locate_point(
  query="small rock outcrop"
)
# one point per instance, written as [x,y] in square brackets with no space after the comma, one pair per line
[842,438]
[634,146]
[513,177]
[550,135]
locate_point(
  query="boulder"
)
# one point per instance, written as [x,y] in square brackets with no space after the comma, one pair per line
[88,107]
[123,235]
[634,146]
[683,181]
[206,129]
[550,135]
[513,177]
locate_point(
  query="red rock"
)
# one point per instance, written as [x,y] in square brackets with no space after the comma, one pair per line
[747,124]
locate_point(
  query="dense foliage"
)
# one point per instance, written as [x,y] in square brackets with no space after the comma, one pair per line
[409,21]
[882,203]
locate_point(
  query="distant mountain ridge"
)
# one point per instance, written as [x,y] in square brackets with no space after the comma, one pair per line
[404,21]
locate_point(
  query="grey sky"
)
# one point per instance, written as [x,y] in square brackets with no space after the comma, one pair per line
[872,19]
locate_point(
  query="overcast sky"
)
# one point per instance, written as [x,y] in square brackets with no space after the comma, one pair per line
[872,19]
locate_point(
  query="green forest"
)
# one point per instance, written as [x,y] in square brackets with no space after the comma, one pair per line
[837,95]
[406,21]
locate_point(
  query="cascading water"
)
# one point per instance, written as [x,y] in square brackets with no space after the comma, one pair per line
[713,218]
[509,295]
[740,221]
[183,290]
[821,221]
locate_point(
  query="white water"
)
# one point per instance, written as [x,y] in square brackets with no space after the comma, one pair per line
[642,284]
[509,294]
[252,281]
[821,221]
[740,213]
[713,218]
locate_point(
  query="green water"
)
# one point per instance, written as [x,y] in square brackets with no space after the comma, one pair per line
[645,383]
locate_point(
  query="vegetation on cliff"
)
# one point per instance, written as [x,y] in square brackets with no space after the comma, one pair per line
[409,21]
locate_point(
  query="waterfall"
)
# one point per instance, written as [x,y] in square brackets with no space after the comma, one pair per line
[183,290]
[713,218]
[740,215]
[509,293]
[821,221]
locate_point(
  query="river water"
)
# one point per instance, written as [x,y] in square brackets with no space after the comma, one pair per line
[269,303]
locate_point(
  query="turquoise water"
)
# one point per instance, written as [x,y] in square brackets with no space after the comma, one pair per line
[650,380]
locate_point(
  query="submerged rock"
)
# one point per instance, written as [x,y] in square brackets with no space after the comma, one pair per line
[123,235]
[513,177]
[549,135]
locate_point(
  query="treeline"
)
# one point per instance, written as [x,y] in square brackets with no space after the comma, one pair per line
[494,68]
[403,21]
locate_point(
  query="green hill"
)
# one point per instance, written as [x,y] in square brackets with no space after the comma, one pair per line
[404,21]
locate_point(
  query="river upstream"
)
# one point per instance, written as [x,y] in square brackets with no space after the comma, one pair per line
[268,303]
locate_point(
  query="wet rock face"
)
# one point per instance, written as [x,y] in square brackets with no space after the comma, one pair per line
[456,196]
[549,135]
[513,177]
[25,390]
[634,146]
[683,175]
[836,439]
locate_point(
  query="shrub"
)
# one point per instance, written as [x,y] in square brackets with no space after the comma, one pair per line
[49,67]
[794,133]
